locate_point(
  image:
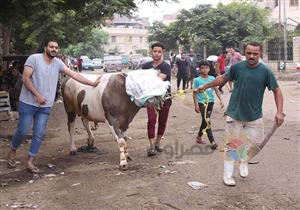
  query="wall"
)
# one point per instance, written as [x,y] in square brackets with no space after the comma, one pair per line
[296,49]
[123,42]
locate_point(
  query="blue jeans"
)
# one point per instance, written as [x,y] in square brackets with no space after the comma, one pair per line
[27,114]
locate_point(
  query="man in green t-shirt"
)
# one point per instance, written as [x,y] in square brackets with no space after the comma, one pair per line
[244,112]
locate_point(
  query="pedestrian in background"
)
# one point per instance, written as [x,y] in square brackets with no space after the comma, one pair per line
[182,66]
[220,69]
[233,58]
[15,88]
[193,64]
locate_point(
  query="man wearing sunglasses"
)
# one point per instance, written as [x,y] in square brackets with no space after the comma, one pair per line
[244,112]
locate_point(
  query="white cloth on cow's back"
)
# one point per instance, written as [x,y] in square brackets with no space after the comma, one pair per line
[142,85]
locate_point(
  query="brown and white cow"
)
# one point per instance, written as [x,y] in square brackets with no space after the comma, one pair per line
[108,102]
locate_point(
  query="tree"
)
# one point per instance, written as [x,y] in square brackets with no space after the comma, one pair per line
[233,24]
[24,25]
[159,32]
[92,47]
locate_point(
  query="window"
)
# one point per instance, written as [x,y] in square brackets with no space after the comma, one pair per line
[294,3]
[141,39]
[276,3]
[113,39]
[130,39]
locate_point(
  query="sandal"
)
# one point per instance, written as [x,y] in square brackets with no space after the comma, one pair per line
[199,140]
[151,152]
[158,148]
[34,170]
[11,163]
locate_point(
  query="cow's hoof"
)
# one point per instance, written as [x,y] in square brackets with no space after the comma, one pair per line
[123,167]
[72,153]
[127,138]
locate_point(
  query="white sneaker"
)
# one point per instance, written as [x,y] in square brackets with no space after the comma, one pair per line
[244,169]
[229,181]
[228,172]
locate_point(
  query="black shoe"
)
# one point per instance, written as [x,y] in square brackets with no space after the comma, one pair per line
[214,146]
[151,152]
[158,149]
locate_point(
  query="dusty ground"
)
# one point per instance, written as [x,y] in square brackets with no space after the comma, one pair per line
[93,181]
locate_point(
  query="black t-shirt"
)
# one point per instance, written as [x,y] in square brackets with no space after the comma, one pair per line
[212,70]
[164,68]
[182,65]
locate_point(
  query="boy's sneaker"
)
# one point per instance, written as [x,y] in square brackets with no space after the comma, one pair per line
[214,146]
[244,169]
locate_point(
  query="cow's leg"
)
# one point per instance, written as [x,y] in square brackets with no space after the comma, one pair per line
[126,150]
[121,144]
[125,136]
[91,138]
[93,128]
[71,124]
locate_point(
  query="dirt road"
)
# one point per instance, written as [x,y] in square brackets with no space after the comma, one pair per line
[93,181]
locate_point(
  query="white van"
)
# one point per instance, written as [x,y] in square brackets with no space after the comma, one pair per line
[112,63]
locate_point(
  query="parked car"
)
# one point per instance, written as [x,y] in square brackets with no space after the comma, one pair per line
[97,63]
[134,60]
[87,64]
[112,63]
[143,61]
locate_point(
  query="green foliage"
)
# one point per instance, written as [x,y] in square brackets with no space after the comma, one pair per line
[158,33]
[68,21]
[142,51]
[92,47]
[233,24]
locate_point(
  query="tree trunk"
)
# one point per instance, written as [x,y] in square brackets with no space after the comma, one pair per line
[204,52]
[5,33]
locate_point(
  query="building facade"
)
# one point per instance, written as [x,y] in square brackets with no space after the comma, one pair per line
[127,35]
[282,10]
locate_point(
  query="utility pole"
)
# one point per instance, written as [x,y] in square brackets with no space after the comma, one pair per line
[284,32]
[279,27]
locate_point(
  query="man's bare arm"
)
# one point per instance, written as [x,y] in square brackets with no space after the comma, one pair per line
[197,108]
[218,81]
[278,97]
[218,72]
[78,77]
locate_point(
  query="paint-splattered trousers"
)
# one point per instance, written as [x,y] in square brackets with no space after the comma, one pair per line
[240,135]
